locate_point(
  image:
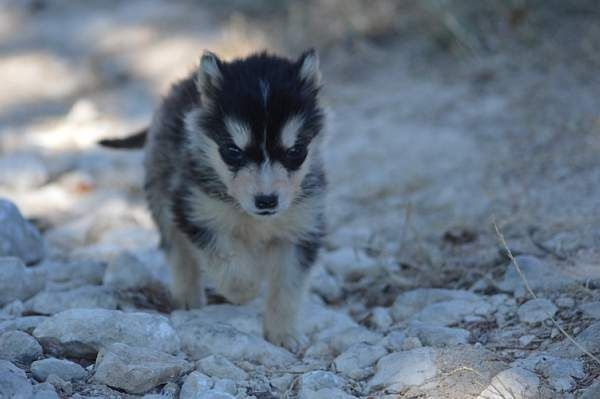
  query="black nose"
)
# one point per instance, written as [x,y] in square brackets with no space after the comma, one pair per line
[265,201]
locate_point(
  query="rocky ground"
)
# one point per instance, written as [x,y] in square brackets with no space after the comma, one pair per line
[413,296]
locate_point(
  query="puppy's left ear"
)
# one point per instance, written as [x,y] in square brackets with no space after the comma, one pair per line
[209,75]
[309,67]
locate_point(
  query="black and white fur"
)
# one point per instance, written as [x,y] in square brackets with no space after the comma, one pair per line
[235,183]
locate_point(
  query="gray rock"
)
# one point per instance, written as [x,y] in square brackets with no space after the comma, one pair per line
[540,275]
[325,393]
[400,370]
[65,387]
[126,271]
[565,302]
[18,237]
[74,273]
[225,385]
[85,297]
[591,309]
[536,311]
[195,384]
[82,332]
[135,369]
[23,171]
[342,340]
[316,381]
[214,394]
[17,281]
[26,324]
[326,286]
[245,318]
[13,382]
[381,318]
[200,339]
[589,338]
[394,340]
[593,392]
[560,373]
[438,336]
[411,302]
[218,366]
[514,383]
[65,369]
[357,361]
[44,391]
[13,309]
[452,312]
[19,347]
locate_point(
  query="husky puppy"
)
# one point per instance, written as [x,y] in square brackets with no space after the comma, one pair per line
[235,182]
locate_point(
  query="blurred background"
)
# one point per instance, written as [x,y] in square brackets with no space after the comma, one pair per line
[442,116]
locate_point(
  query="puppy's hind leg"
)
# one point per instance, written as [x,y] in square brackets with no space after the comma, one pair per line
[186,286]
[287,285]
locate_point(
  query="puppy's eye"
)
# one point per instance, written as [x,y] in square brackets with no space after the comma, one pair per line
[296,153]
[233,155]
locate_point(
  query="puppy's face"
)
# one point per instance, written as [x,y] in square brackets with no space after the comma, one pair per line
[261,124]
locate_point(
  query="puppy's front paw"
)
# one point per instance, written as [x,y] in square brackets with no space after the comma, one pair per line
[292,341]
[240,292]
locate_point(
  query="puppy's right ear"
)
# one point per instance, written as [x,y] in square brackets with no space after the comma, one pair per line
[209,75]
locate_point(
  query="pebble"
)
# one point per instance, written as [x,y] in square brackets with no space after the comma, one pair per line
[536,311]
[18,237]
[452,312]
[438,336]
[411,302]
[18,282]
[19,347]
[84,297]
[381,318]
[126,271]
[400,370]
[65,369]
[195,384]
[135,369]
[540,275]
[13,382]
[591,309]
[515,383]
[218,366]
[82,332]
[356,362]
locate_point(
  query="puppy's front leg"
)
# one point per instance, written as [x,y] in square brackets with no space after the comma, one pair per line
[288,277]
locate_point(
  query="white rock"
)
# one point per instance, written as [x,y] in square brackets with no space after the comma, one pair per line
[19,347]
[85,297]
[452,312]
[565,302]
[357,361]
[82,332]
[217,366]
[135,369]
[44,391]
[591,309]
[13,309]
[65,369]
[401,370]
[394,340]
[536,310]
[195,384]
[411,343]
[74,273]
[225,385]
[18,237]
[560,373]
[214,394]
[381,318]
[126,271]
[200,339]
[26,324]
[23,171]
[342,340]
[17,281]
[514,383]
[438,336]
[326,285]
[245,318]
[592,392]
[348,261]
[13,382]
[540,275]
[315,381]
[525,340]
[325,393]
[589,338]
[411,302]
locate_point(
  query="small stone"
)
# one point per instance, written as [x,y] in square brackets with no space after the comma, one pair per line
[136,370]
[326,286]
[18,237]
[452,312]
[316,380]
[218,366]
[282,383]
[19,347]
[26,324]
[381,318]
[44,391]
[325,393]
[14,309]
[536,311]
[438,336]
[593,392]
[525,340]
[82,332]
[411,343]
[516,383]
[126,271]
[348,337]
[85,297]
[22,171]
[401,370]
[195,384]
[18,282]
[591,309]
[540,275]
[411,302]
[13,382]
[394,341]
[356,362]
[565,302]
[63,386]
[213,394]
[225,385]
[65,369]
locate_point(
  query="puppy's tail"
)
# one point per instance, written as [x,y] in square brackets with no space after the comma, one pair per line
[136,140]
